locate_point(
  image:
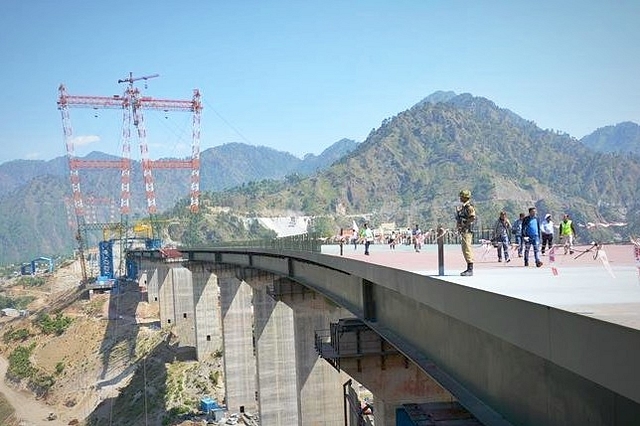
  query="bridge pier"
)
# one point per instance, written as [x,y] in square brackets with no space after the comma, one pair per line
[148,278]
[207,315]
[274,335]
[184,309]
[166,302]
[239,359]
[294,385]
[320,386]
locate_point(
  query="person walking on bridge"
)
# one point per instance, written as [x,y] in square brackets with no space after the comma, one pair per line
[368,238]
[517,233]
[547,232]
[501,231]
[531,234]
[566,234]
[465,216]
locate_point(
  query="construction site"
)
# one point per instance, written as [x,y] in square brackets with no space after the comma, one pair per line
[119,234]
[114,332]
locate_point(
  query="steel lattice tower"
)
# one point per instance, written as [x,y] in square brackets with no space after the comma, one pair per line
[132,104]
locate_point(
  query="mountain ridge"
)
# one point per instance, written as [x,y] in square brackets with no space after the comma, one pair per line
[622,138]
[409,169]
[423,156]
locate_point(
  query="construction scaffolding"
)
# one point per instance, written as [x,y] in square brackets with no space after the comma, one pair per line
[133,104]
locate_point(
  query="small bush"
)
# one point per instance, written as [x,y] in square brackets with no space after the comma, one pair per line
[19,363]
[20,334]
[43,382]
[214,377]
[29,281]
[57,325]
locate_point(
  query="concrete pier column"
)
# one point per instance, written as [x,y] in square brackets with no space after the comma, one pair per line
[143,280]
[164,295]
[208,320]
[155,277]
[144,271]
[320,386]
[183,307]
[276,353]
[239,358]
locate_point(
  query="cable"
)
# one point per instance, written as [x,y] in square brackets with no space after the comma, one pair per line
[144,373]
[180,130]
[115,334]
[227,123]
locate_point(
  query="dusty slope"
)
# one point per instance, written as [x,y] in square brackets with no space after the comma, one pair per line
[96,361]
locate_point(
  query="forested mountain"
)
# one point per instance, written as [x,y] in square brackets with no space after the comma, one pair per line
[409,170]
[623,138]
[222,167]
[16,174]
[412,167]
[233,164]
[335,152]
[35,221]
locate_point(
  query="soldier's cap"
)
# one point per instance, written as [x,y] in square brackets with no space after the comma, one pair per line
[465,193]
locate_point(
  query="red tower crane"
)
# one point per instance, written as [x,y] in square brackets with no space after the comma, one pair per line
[132,104]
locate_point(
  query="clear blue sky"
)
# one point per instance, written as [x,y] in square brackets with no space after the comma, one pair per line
[298,76]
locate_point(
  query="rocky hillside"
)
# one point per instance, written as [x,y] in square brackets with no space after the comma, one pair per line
[36,210]
[412,167]
[623,138]
[103,359]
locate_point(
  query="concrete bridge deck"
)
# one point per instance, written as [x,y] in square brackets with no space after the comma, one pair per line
[607,290]
[513,344]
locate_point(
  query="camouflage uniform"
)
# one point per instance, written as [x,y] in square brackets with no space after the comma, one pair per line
[465,216]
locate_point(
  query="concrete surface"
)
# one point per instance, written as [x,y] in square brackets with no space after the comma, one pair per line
[607,288]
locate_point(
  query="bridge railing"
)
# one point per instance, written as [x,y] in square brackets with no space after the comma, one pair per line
[452,237]
[312,242]
[302,242]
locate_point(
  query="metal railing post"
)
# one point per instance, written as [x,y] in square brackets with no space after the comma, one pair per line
[440,240]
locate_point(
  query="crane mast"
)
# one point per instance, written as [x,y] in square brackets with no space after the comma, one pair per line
[133,104]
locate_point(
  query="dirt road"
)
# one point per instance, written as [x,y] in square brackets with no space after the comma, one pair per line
[29,410]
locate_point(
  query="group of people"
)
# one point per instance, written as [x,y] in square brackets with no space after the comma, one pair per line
[414,237]
[528,232]
[365,235]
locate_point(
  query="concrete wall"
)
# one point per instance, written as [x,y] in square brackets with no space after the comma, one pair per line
[183,306]
[239,358]
[276,360]
[320,386]
[151,269]
[165,295]
[208,320]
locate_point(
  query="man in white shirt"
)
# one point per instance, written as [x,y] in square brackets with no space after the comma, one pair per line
[546,228]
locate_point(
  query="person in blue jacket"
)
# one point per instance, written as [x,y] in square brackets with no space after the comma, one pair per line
[517,233]
[532,236]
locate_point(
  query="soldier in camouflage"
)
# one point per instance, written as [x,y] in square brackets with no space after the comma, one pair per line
[465,216]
